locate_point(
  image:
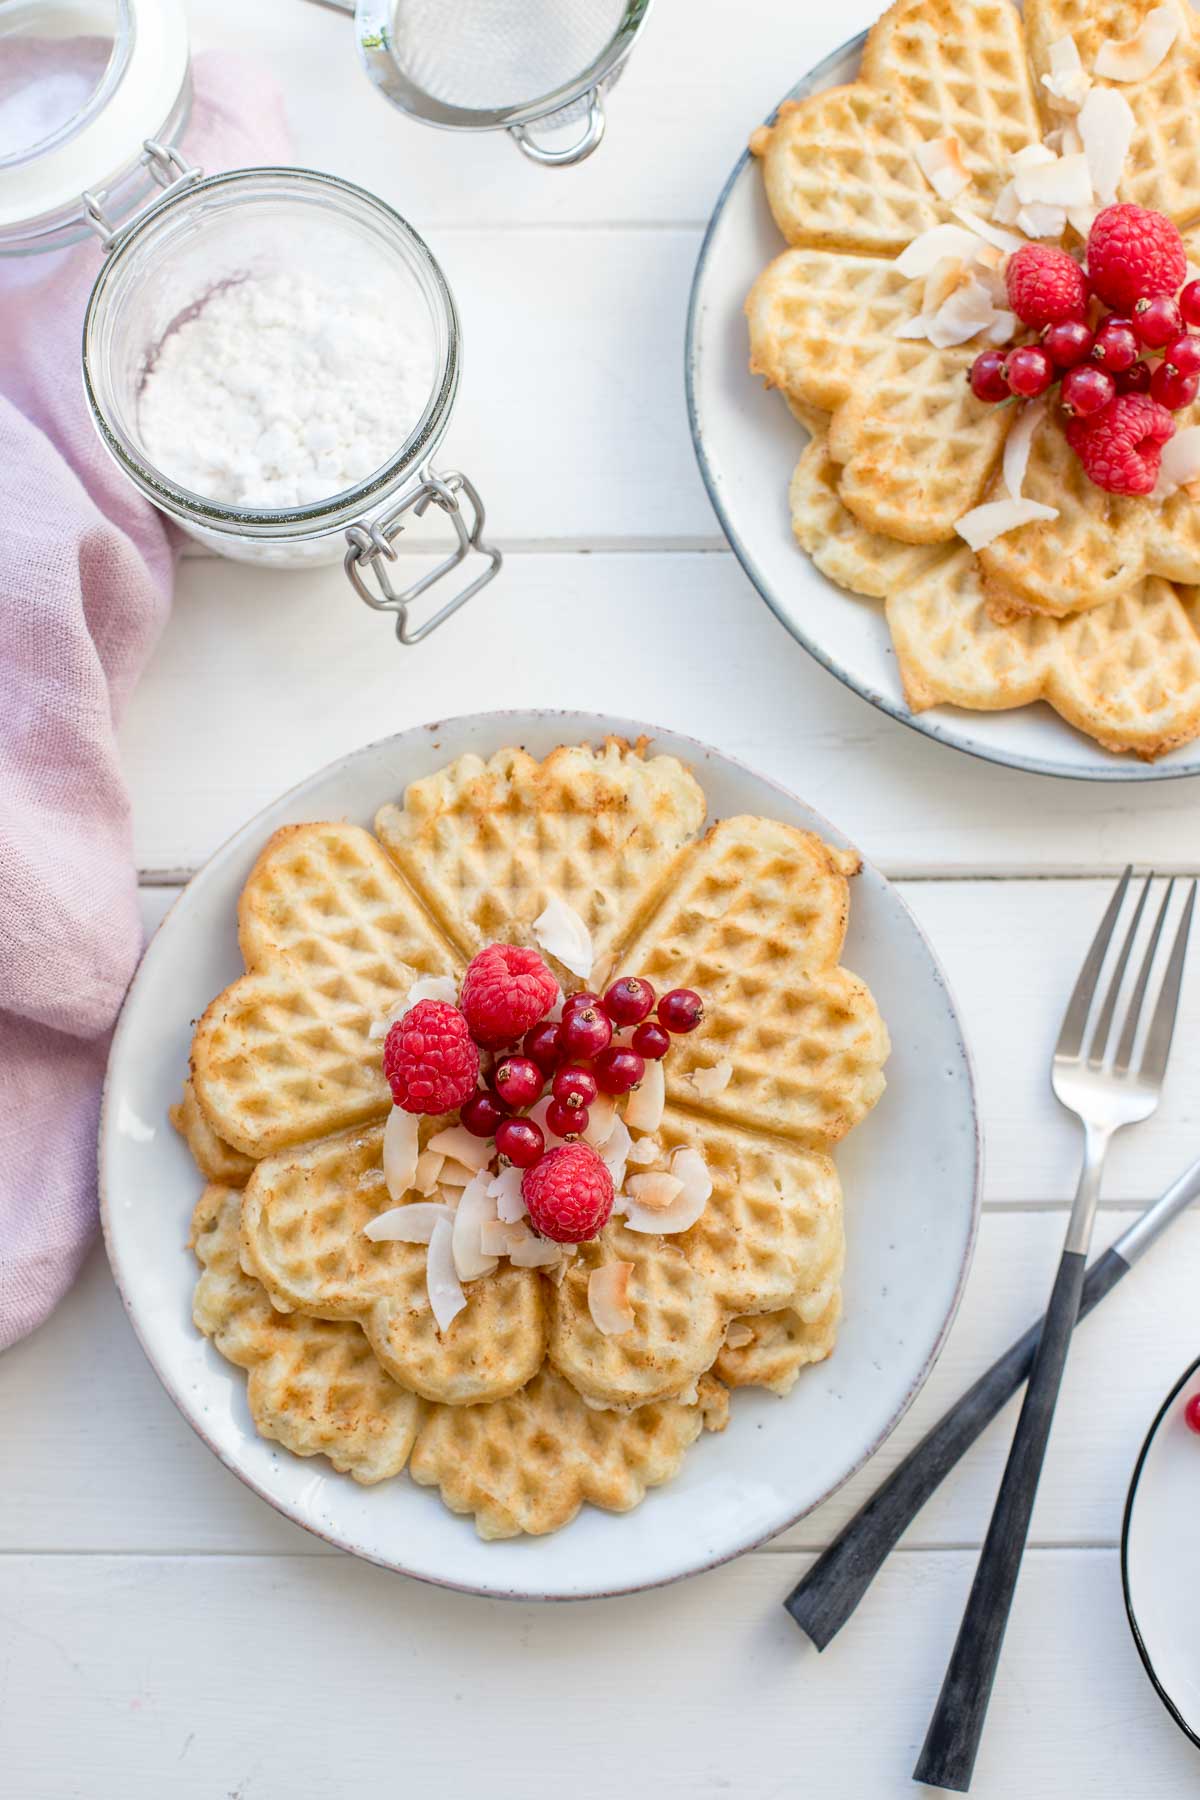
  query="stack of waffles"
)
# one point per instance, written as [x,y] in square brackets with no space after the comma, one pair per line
[521,1409]
[1097,610]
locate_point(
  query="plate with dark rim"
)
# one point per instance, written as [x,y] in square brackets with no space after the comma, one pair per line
[747,444]
[911,1174]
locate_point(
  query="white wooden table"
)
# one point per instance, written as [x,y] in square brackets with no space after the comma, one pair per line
[161,1630]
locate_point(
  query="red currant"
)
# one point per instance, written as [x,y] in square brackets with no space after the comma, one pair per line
[680,1010]
[986,376]
[575,1087]
[566,1121]
[521,1141]
[1116,344]
[1191,1412]
[1068,343]
[629,1000]
[586,1031]
[1157,321]
[651,1041]
[1028,371]
[1189,303]
[1135,379]
[584,997]
[482,1114]
[1087,390]
[1184,353]
[543,1045]
[518,1081]
[1171,388]
[619,1070]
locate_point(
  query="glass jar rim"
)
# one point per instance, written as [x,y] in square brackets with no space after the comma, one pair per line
[347,504]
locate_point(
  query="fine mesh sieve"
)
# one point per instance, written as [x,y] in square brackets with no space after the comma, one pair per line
[484,65]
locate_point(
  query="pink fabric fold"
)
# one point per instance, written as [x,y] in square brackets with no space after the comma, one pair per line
[86,572]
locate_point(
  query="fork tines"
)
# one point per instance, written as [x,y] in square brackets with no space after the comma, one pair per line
[1076,1044]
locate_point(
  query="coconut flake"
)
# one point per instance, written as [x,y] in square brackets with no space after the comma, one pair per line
[1019,444]
[946,275]
[991,234]
[1067,82]
[1002,328]
[602,1117]
[497,1237]
[534,1252]
[654,1191]
[918,327]
[457,1142]
[1141,54]
[738,1335]
[1007,206]
[1056,181]
[400,1150]
[695,1187]
[429,1167]
[984,524]
[454,1175]
[427,987]
[1040,220]
[1031,156]
[1082,218]
[968,311]
[645,1150]
[644,1110]
[563,935]
[608,1298]
[474,1209]
[505,1190]
[943,168]
[616,1151]
[1106,127]
[931,246]
[446,1297]
[714,1080]
[690,1168]
[406,1224]
[1180,464]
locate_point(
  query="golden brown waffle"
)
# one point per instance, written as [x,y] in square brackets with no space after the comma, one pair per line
[314,1387]
[215,1159]
[332,938]
[488,844]
[754,922]
[302,1237]
[1162,170]
[780,1344]
[527,1464]
[845,551]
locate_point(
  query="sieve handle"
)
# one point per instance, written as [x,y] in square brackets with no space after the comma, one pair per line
[370,547]
[573,153]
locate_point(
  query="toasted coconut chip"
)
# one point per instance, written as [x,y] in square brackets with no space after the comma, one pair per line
[562,934]
[943,167]
[738,1335]
[1040,220]
[1055,181]
[1006,207]
[534,1252]
[941,281]
[1031,156]
[401,1148]
[616,1150]
[454,1174]
[1082,218]
[644,1150]
[1180,464]
[1067,82]
[406,1224]
[426,987]
[457,1142]
[608,1298]
[1020,442]
[968,311]
[475,1209]
[644,1110]
[927,250]
[689,1167]
[984,524]
[1002,329]
[505,1190]
[1106,127]
[917,327]
[708,1082]
[446,1297]
[991,234]
[656,1191]
[602,1117]
[1141,54]
[430,1164]
[497,1237]
[681,1215]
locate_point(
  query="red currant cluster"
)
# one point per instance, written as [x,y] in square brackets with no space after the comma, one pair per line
[578,1057]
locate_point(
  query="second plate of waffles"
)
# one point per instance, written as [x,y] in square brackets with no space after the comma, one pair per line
[1009,564]
[572,1162]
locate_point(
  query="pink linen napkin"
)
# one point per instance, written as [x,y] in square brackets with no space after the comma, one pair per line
[86,573]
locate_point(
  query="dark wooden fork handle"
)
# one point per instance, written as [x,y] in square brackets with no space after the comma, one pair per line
[952,1741]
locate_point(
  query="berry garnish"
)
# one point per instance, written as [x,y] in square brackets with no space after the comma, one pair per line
[1171,388]
[1133,255]
[569,1194]
[1045,285]
[566,1121]
[505,991]
[586,1031]
[1068,343]
[521,1141]
[651,1041]
[1184,353]
[482,1114]
[1116,344]
[1087,390]
[518,1081]
[1191,1413]
[1121,448]
[1189,303]
[1028,371]
[618,1070]
[429,1060]
[1157,321]
[543,1045]
[575,1002]
[680,1010]
[629,1000]
[986,376]
[1135,379]
[575,1087]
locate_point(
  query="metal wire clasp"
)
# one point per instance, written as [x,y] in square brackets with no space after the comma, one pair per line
[371,542]
[166,165]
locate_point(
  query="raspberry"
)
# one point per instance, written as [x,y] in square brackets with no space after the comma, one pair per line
[505,991]
[1121,448]
[1045,285]
[1133,255]
[569,1194]
[429,1060]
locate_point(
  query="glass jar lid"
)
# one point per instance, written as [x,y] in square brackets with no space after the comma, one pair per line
[83,84]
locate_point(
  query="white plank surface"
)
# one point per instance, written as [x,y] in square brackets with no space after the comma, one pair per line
[161,1630]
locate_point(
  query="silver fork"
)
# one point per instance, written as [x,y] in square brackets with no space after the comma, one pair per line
[1101,1084]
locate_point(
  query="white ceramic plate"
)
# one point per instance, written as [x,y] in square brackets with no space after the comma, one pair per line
[747,444]
[1160,1556]
[911,1174]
